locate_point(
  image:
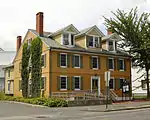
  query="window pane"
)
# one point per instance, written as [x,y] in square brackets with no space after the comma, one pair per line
[111,84]
[96,42]
[111,63]
[65,39]
[111,46]
[63,83]
[94,62]
[77,82]
[72,40]
[76,60]
[121,64]
[63,59]
[90,40]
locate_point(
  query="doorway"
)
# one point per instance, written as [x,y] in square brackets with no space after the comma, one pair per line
[95,84]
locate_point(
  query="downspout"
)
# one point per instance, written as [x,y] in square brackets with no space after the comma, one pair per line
[50,76]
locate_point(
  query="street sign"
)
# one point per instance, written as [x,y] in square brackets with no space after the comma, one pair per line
[107,78]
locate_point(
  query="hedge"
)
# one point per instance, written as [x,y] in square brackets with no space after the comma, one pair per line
[50,102]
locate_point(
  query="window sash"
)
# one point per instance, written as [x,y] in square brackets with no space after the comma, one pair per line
[121,64]
[111,63]
[63,82]
[76,61]
[93,41]
[110,45]
[43,60]
[68,39]
[77,82]
[95,62]
[63,60]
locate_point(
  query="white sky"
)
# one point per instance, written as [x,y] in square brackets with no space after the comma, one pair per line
[17,16]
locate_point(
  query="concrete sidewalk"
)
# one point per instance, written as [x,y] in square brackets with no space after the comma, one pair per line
[130,105]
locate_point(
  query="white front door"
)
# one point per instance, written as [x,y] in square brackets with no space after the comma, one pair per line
[95,84]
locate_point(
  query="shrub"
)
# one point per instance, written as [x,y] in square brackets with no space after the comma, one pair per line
[50,102]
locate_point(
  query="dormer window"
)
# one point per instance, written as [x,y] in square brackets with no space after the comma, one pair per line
[111,46]
[68,39]
[93,42]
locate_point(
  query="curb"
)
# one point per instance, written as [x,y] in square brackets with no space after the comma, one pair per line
[128,108]
[32,105]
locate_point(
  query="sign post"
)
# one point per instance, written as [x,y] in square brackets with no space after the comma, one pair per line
[107,78]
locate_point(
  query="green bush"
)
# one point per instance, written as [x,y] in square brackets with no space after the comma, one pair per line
[50,102]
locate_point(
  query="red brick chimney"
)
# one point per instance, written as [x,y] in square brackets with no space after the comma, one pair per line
[39,23]
[19,38]
[109,31]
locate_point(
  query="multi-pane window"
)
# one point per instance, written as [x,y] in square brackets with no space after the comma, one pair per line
[63,60]
[68,39]
[43,60]
[93,41]
[111,83]
[110,45]
[76,61]
[43,83]
[121,64]
[144,84]
[111,63]
[95,62]
[63,82]
[77,82]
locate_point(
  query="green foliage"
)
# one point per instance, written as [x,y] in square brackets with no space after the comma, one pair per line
[50,102]
[25,70]
[134,30]
[36,51]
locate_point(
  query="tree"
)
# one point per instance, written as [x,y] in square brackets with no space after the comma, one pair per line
[25,70]
[36,51]
[134,30]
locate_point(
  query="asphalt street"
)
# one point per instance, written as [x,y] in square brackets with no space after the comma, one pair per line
[15,111]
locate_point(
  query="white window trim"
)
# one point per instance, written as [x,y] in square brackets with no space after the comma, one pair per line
[66,81]
[113,64]
[70,33]
[94,36]
[97,63]
[123,65]
[79,82]
[79,60]
[66,60]
[113,82]
[107,45]
[45,61]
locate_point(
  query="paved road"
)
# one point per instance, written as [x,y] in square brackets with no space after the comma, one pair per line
[14,111]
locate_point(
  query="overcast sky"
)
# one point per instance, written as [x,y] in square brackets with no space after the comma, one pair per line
[17,16]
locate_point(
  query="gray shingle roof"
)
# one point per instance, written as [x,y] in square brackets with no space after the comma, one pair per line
[55,45]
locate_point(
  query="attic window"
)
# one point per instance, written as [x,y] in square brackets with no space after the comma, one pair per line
[93,42]
[68,39]
[111,45]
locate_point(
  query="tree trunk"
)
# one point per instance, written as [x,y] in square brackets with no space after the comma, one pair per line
[147,81]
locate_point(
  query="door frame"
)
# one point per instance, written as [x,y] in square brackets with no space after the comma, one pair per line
[96,77]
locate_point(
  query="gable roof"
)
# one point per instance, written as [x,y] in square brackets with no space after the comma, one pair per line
[113,36]
[63,29]
[86,30]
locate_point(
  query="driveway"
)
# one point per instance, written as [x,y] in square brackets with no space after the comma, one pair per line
[16,111]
